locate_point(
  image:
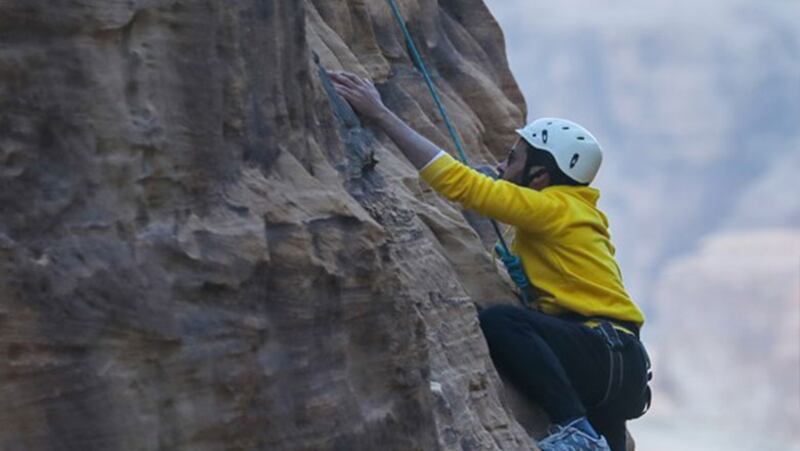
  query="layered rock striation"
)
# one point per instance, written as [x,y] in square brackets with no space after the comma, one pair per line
[201,247]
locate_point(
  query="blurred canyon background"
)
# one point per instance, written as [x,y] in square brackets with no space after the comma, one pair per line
[697,105]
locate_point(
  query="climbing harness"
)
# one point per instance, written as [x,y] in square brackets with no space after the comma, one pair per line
[615,363]
[608,329]
[526,291]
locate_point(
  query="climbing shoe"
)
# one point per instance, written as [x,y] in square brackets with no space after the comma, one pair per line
[572,438]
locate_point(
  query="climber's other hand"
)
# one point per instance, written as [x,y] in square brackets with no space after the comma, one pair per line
[360,92]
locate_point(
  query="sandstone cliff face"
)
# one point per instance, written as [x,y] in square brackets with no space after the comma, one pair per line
[201,248]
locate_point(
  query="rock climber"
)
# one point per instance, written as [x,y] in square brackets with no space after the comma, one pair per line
[576,352]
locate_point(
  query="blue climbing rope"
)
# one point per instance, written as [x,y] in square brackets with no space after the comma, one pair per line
[510,260]
[424,69]
[421,64]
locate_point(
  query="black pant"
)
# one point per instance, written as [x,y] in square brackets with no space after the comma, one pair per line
[563,366]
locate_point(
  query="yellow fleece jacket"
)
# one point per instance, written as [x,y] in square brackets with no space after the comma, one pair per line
[561,237]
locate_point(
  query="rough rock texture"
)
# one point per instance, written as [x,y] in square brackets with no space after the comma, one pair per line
[201,248]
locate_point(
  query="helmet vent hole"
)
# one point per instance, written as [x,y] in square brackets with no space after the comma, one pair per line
[534,135]
[565,128]
[581,138]
[549,123]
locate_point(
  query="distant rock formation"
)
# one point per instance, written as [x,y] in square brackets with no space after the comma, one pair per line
[742,281]
[201,248]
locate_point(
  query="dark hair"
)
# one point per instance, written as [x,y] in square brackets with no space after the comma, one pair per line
[539,157]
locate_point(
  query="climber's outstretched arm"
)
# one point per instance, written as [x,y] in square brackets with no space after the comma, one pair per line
[366,100]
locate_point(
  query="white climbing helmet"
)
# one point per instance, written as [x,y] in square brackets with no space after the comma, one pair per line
[575,150]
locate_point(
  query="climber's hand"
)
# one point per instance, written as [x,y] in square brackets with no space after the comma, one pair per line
[360,92]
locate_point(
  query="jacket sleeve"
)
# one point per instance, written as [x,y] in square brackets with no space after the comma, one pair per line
[524,208]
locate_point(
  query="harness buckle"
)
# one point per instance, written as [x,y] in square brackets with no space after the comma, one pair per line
[611,335]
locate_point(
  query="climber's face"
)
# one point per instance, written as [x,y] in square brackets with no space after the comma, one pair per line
[513,167]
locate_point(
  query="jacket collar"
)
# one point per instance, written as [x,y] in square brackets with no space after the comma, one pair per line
[586,193]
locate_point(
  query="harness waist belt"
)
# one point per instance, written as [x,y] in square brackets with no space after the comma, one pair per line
[628,327]
[622,326]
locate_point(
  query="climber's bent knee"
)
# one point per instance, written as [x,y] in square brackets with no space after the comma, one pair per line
[497,318]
